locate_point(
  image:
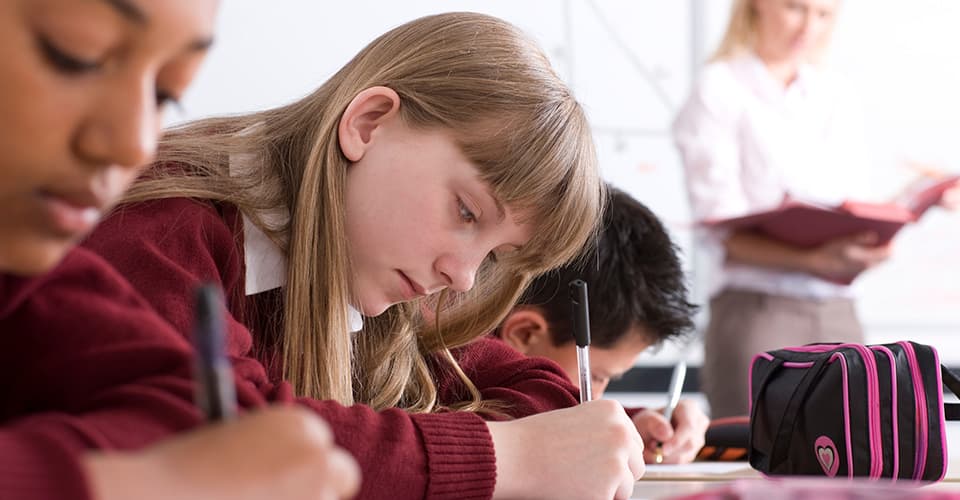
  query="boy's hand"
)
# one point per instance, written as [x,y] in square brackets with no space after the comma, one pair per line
[681,441]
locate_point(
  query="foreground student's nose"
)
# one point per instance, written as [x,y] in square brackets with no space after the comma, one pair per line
[121,127]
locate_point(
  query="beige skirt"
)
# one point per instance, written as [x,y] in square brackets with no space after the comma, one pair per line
[744,323]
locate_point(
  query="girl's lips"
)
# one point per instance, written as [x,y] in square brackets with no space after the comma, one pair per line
[411,289]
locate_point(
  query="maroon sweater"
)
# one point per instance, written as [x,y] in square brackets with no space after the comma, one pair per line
[165,248]
[87,364]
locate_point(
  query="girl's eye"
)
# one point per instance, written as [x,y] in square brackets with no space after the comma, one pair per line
[64,62]
[465,214]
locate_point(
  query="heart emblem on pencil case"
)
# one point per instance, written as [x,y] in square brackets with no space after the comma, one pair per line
[827,455]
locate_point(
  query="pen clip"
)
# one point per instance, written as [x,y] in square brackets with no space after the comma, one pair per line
[581,312]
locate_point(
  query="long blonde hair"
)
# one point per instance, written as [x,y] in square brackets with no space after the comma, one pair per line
[740,37]
[472,74]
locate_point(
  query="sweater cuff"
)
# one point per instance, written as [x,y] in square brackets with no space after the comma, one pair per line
[632,412]
[33,467]
[460,456]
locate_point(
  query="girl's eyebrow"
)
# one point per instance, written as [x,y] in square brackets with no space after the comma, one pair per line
[134,14]
[501,213]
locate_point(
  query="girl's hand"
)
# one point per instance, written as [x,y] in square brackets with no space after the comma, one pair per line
[590,451]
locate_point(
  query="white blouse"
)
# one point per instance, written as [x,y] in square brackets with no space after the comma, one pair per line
[746,141]
[265,263]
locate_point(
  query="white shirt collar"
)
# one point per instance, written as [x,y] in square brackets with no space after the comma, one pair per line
[265,263]
[771,88]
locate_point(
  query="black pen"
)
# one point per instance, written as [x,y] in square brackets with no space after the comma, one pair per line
[215,393]
[581,333]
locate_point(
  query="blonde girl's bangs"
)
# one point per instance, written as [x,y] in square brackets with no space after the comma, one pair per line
[544,167]
[512,116]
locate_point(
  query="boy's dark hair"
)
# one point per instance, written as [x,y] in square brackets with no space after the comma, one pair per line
[634,278]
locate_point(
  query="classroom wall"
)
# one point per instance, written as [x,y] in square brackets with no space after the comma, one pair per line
[631,62]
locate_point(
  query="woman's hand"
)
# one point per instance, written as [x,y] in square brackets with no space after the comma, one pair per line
[951,198]
[843,259]
[839,260]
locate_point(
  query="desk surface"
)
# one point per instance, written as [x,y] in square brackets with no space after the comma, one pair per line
[672,481]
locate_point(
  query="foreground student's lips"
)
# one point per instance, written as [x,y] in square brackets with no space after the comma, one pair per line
[71,213]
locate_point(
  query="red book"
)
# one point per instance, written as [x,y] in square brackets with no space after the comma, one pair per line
[809,225]
[820,489]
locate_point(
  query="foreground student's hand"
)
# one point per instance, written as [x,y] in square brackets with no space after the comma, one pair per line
[682,438]
[843,259]
[275,453]
[584,452]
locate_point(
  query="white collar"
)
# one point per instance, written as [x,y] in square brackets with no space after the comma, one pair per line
[264,262]
[765,82]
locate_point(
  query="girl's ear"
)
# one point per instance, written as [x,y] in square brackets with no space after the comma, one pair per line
[370,109]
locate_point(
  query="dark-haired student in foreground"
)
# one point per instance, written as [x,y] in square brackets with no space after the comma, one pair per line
[84,85]
[638,299]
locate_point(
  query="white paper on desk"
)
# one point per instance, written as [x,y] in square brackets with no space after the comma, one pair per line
[704,471]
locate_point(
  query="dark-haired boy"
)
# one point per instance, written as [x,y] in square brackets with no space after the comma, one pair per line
[638,298]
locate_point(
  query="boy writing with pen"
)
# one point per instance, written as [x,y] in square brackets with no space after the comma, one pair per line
[637,298]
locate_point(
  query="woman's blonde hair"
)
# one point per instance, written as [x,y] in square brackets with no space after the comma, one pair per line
[473,75]
[740,37]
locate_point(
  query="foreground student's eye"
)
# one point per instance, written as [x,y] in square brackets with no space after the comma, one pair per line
[165,98]
[65,62]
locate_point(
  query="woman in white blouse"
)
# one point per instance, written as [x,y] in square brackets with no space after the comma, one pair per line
[765,122]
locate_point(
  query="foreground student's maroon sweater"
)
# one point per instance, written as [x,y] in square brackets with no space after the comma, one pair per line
[86,363]
[165,248]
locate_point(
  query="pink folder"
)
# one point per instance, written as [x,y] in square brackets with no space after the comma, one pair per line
[808,225]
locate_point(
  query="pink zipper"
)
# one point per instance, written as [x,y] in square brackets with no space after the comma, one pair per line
[920,398]
[873,410]
[846,410]
[894,416]
[943,424]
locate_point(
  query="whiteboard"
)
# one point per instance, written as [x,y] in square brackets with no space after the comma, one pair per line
[631,63]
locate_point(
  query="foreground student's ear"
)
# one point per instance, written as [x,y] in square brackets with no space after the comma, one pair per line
[279,452]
